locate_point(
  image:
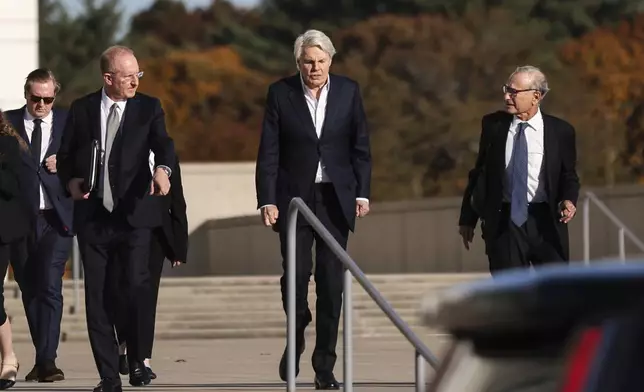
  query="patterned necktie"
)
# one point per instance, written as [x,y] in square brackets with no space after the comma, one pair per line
[519,202]
[36,140]
[113,122]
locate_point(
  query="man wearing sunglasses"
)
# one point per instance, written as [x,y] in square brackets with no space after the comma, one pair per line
[524,186]
[39,261]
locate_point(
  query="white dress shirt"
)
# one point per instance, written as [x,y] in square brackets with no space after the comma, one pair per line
[106,106]
[534,138]
[45,126]
[317,109]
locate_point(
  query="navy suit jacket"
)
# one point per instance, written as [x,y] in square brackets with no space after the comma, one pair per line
[289,149]
[34,173]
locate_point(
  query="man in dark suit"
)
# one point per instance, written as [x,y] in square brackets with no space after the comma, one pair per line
[114,221]
[170,241]
[524,186]
[39,260]
[315,145]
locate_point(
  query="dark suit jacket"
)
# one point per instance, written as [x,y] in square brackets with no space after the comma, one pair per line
[14,219]
[143,129]
[34,173]
[175,221]
[290,150]
[560,158]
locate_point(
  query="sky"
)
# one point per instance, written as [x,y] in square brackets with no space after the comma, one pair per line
[131,7]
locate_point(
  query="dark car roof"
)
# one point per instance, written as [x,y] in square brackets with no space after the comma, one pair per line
[556,296]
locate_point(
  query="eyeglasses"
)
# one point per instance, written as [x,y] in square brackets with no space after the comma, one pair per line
[137,75]
[513,91]
[37,99]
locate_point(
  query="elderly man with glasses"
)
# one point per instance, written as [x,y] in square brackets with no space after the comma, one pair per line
[524,186]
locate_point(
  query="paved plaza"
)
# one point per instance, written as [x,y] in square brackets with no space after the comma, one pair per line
[380,364]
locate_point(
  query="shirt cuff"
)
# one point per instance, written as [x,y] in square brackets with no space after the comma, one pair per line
[167,169]
[363,199]
[266,205]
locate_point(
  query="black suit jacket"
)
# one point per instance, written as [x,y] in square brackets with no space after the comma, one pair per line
[290,149]
[14,219]
[142,129]
[485,179]
[34,173]
[175,221]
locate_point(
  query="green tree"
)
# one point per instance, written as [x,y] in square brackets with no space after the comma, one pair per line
[70,46]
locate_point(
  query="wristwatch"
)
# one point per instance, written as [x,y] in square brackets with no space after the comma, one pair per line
[166,169]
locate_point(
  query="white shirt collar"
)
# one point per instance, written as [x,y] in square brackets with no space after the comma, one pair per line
[48,119]
[107,102]
[536,122]
[307,90]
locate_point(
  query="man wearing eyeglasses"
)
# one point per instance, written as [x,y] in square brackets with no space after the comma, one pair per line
[39,261]
[115,215]
[524,186]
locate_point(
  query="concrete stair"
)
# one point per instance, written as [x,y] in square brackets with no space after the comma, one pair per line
[247,307]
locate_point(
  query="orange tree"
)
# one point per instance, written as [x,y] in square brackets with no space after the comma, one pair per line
[610,62]
[213,104]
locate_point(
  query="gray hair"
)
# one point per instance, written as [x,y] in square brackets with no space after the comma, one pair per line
[312,38]
[538,79]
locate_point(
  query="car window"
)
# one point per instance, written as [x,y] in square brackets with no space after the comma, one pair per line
[467,370]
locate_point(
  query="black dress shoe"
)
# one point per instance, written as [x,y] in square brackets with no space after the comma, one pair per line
[124,369]
[152,374]
[139,375]
[32,375]
[107,385]
[49,372]
[326,382]
[284,361]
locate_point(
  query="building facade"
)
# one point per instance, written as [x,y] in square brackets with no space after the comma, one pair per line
[19,48]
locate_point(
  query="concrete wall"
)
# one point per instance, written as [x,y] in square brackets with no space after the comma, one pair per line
[19,46]
[218,190]
[419,236]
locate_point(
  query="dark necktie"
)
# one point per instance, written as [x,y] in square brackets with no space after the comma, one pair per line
[36,140]
[519,202]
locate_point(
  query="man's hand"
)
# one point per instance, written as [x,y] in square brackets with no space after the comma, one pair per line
[467,233]
[176,263]
[74,186]
[50,164]
[362,208]
[269,215]
[160,182]
[567,211]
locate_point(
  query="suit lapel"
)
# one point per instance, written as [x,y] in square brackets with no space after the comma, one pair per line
[57,126]
[550,151]
[95,116]
[333,102]
[502,130]
[129,121]
[296,96]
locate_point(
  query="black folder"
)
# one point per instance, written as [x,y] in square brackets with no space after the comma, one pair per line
[91,180]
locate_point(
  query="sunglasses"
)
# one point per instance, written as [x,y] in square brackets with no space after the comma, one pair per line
[37,99]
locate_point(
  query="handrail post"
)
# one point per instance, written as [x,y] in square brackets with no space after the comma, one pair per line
[586,223]
[75,276]
[290,277]
[420,372]
[622,245]
[347,332]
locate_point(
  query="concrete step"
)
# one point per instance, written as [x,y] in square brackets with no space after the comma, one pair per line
[246,307]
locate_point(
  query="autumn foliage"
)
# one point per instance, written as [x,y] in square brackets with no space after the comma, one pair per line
[428,71]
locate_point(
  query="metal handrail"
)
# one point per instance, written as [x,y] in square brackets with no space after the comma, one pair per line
[623,231]
[422,352]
